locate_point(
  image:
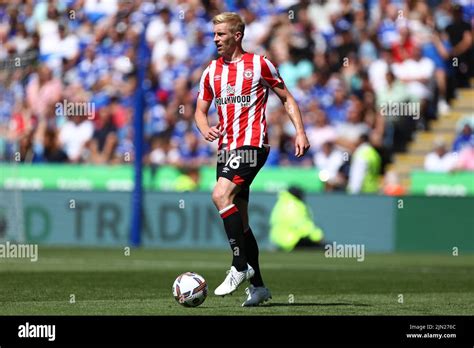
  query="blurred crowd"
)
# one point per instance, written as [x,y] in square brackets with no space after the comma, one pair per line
[458,157]
[345,62]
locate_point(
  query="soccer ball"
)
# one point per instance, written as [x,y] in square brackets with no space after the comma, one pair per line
[190,289]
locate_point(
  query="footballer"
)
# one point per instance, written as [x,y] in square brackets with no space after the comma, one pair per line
[238,82]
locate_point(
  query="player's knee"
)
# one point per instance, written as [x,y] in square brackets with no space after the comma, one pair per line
[221,198]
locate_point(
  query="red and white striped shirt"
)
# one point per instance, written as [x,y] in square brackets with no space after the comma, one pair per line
[240,92]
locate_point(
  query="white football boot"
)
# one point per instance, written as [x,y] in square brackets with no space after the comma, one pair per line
[256,296]
[233,280]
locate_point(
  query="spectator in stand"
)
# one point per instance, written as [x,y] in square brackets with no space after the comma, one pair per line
[329,162]
[319,130]
[68,47]
[170,46]
[91,68]
[461,40]
[104,140]
[255,32]
[161,24]
[378,69]
[464,138]
[365,168]
[398,129]
[43,90]
[293,69]
[367,50]
[403,48]
[192,153]
[345,44]
[338,110]
[48,149]
[440,159]
[199,51]
[417,73]
[465,160]
[25,151]
[322,90]
[124,151]
[162,153]
[74,137]
[437,49]
[349,132]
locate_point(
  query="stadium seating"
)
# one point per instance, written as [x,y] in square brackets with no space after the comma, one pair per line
[442,128]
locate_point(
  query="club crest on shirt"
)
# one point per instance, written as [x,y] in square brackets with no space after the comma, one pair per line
[248,74]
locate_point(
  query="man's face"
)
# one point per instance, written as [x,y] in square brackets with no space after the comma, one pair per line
[441,150]
[224,39]
[466,130]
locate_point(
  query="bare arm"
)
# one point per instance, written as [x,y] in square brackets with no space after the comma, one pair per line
[200,116]
[293,111]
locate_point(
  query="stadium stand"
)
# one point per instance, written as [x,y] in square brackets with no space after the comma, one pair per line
[345,62]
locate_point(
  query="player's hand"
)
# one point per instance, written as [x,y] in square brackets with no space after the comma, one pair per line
[212,134]
[301,145]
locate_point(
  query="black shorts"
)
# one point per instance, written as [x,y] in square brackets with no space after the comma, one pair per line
[241,166]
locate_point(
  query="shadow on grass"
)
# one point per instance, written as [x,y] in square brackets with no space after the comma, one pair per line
[309,304]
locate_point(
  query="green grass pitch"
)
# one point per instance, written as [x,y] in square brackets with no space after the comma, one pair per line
[106,282]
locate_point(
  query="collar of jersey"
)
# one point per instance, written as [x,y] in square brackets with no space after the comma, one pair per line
[234,61]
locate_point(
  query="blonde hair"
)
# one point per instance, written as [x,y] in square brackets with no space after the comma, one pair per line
[236,23]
